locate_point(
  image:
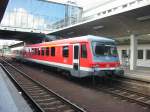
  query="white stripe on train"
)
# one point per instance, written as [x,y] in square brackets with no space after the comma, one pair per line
[67,65]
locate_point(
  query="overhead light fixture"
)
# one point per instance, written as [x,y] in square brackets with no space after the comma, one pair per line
[97,27]
[143,18]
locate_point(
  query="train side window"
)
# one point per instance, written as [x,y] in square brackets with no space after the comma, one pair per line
[32,51]
[39,51]
[42,52]
[47,51]
[83,51]
[35,51]
[52,51]
[65,51]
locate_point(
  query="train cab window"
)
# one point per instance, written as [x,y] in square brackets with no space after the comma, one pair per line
[140,54]
[65,51]
[148,54]
[83,51]
[52,51]
[39,51]
[42,52]
[47,51]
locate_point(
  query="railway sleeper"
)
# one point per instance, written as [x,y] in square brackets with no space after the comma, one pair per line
[32,91]
[69,110]
[58,109]
[51,103]
[47,96]
[47,99]
[38,94]
[30,86]
[35,89]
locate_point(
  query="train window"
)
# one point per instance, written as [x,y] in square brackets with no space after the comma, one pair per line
[65,51]
[47,51]
[148,54]
[52,51]
[42,52]
[29,53]
[140,54]
[76,52]
[104,49]
[83,51]
[32,51]
[35,51]
[39,51]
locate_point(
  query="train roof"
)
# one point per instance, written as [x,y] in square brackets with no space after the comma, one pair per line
[93,38]
[76,39]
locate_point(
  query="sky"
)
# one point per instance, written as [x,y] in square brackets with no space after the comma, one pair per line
[36,6]
[20,11]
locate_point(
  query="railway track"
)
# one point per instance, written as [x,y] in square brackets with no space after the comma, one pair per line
[124,92]
[43,98]
[139,86]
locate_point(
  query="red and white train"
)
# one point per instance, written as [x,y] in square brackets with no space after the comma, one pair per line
[81,56]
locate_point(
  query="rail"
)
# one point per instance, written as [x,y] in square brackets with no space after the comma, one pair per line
[42,97]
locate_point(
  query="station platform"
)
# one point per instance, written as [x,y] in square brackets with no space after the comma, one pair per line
[10,99]
[141,73]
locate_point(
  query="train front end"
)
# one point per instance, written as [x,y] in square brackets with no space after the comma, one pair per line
[105,59]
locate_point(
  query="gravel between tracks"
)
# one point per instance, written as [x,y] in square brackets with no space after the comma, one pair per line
[90,99]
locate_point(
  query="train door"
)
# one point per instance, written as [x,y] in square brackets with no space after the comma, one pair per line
[76,61]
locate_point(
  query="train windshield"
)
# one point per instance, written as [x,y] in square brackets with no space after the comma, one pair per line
[104,49]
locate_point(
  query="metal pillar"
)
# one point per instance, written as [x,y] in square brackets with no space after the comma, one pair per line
[133,48]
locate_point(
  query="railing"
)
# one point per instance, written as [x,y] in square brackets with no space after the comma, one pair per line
[21,19]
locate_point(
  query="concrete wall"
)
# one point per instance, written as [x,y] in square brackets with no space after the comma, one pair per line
[140,62]
[113,7]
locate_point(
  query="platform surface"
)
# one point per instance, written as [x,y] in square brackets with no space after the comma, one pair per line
[141,73]
[10,99]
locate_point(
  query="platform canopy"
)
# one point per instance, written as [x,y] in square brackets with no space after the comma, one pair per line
[135,21]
